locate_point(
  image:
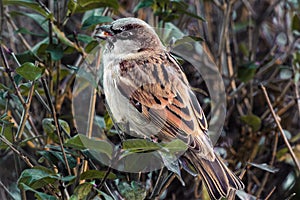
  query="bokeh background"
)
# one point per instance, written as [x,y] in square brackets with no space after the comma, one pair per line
[46,46]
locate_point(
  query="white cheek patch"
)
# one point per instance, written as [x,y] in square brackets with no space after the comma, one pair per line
[125,46]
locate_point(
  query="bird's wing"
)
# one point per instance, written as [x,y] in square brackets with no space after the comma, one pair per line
[158,89]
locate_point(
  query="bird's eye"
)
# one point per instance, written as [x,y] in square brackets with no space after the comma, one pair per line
[125,34]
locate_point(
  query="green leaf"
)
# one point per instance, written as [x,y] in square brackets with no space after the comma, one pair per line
[243,195]
[100,122]
[81,142]
[26,56]
[26,31]
[172,164]
[84,38]
[32,4]
[87,76]
[37,177]
[85,5]
[247,71]
[265,167]
[72,5]
[104,195]
[192,15]
[243,49]
[252,120]
[169,32]
[68,178]
[39,195]
[64,39]
[54,157]
[91,46]
[39,19]
[96,174]
[94,20]
[175,146]
[72,67]
[143,4]
[140,145]
[82,190]
[29,71]
[56,51]
[285,72]
[186,42]
[7,133]
[296,23]
[134,191]
[25,87]
[108,121]
[50,129]
[18,78]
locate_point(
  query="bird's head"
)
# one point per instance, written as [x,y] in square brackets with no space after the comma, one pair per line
[128,35]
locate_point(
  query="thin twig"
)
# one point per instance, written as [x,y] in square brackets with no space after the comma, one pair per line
[296,70]
[155,187]
[167,184]
[23,157]
[280,128]
[6,190]
[272,191]
[14,26]
[229,61]
[286,107]
[1,18]
[43,6]
[57,126]
[8,71]
[25,112]
[267,174]
[224,31]
[278,99]
[282,57]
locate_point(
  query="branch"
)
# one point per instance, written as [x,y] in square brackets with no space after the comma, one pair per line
[57,126]
[280,128]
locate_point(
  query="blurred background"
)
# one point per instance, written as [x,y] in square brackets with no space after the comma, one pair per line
[47,45]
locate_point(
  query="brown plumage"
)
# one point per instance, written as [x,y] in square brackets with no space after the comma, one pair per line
[140,73]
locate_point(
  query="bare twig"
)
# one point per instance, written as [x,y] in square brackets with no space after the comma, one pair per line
[93,101]
[14,26]
[296,70]
[267,174]
[6,190]
[167,184]
[58,128]
[249,7]
[281,58]
[229,61]
[25,112]
[280,128]
[8,143]
[272,191]
[8,70]
[278,99]
[224,31]
[286,108]
[1,18]
[43,6]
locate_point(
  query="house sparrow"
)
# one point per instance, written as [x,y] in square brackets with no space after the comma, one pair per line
[146,88]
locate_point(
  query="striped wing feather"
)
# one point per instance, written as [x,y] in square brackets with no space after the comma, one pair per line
[158,89]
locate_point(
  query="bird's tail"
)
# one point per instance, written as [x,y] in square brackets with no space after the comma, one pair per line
[217,177]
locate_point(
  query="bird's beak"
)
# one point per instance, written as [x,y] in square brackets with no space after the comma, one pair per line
[103,32]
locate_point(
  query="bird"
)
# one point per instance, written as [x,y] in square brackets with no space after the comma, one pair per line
[146,88]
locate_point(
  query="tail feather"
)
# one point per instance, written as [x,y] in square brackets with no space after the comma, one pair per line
[218,179]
